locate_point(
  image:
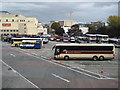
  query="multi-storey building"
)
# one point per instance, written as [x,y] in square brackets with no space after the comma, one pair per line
[18,24]
[98,24]
[67,23]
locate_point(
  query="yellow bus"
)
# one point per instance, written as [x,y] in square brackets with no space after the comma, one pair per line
[84,51]
[17,41]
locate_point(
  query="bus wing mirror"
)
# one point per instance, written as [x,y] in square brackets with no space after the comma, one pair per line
[53,47]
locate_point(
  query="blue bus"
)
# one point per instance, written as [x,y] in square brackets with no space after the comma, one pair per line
[37,44]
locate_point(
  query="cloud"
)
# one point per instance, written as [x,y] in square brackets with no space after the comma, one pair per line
[23,6]
[59,0]
[47,11]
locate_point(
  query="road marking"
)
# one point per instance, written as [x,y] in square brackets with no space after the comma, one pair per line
[66,67]
[44,57]
[34,54]
[19,74]
[21,49]
[13,55]
[28,54]
[60,77]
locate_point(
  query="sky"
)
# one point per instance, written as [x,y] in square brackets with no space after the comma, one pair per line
[45,12]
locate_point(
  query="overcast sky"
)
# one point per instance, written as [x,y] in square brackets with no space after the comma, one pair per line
[55,11]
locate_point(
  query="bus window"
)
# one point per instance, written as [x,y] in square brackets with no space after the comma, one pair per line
[57,51]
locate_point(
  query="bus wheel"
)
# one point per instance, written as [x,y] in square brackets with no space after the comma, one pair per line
[66,57]
[101,58]
[95,58]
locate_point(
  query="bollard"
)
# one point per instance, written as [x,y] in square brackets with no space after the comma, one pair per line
[60,62]
[50,58]
[101,74]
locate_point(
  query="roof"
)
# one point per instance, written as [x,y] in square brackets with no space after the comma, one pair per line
[28,40]
[90,34]
[86,44]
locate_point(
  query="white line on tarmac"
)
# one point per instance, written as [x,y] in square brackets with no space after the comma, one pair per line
[28,54]
[60,77]
[44,57]
[65,66]
[19,74]
[13,55]
[34,54]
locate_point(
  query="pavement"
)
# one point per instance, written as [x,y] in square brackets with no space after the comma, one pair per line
[110,67]
[44,73]
[12,79]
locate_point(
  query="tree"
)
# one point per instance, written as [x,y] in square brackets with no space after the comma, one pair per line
[75,31]
[59,31]
[55,25]
[113,21]
[57,28]
[92,29]
[114,26]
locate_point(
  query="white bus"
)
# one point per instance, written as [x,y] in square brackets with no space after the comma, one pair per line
[99,38]
[102,38]
[114,40]
[17,41]
[84,51]
[91,37]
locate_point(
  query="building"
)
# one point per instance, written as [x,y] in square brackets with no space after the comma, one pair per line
[98,24]
[18,24]
[84,28]
[66,24]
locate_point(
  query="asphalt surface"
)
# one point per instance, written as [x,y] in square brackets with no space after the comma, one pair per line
[110,67]
[11,79]
[47,74]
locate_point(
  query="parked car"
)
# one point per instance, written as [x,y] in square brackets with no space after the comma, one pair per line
[78,40]
[66,39]
[58,39]
[117,45]
[45,40]
[52,38]
[81,40]
[72,39]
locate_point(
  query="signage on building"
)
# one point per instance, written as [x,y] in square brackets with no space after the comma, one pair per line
[6,24]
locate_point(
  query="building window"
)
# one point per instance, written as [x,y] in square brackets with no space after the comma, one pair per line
[10,30]
[1,30]
[12,20]
[7,30]
[16,30]
[25,28]
[24,24]
[6,20]
[22,20]
[16,15]
[0,20]
[13,30]
[4,30]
